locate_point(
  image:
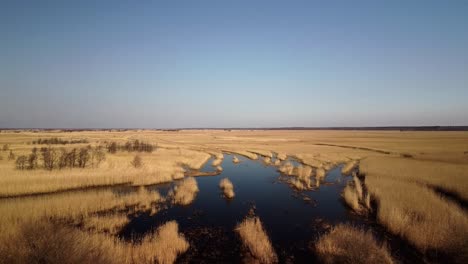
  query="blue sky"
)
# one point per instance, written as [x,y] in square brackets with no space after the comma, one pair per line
[167,64]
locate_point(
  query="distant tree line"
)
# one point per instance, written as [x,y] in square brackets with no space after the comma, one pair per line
[59,141]
[130,146]
[53,158]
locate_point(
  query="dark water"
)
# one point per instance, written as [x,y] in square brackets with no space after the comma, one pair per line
[290,221]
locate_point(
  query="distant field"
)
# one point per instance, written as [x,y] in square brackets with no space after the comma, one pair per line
[414,184]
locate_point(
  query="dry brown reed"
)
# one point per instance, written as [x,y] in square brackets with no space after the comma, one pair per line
[185,191]
[256,240]
[349,167]
[347,244]
[227,187]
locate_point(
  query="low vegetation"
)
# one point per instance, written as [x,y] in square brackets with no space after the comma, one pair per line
[416,181]
[227,187]
[320,173]
[235,159]
[347,244]
[256,240]
[217,161]
[351,198]
[44,242]
[349,167]
[281,156]
[185,191]
[410,209]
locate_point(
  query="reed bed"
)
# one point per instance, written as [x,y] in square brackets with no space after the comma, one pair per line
[217,161]
[70,206]
[44,242]
[449,177]
[227,187]
[418,214]
[184,192]
[160,166]
[349,167]
[347,244]
[255,239]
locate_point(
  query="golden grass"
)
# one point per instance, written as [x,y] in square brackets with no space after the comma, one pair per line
[367,201]
[265,153]
[227,187]
[320,173]
[163,247]
[297,184]
[111,224]
[217,161]
[358,187]
[347,244]
[256,240]
[235,159]
[163,165]
[70,206]
[420,216]
[450,177]
[286,168]
[416,213]
[398,186]
[44,242]
[281,156]
[185,191]
[349,167]
[247,154]
[351,198]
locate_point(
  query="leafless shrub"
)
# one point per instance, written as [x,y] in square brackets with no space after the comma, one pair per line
[11,156]
[21,162]
[137,161]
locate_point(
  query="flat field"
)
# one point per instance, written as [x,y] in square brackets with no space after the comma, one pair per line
[410,187]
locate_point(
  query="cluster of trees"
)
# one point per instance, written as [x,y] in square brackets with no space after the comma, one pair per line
[130,146]
[53,158]
[59,141]
[6,147]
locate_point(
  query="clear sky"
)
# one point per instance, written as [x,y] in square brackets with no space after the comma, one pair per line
[167,64]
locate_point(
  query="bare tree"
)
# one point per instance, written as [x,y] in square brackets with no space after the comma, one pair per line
[98,156]
[21,162]
[83,157]
[11,156]
[49,157]
[137,162]
[112,147]
[32,159]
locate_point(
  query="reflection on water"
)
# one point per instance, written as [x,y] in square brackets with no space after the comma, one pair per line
[290,217]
